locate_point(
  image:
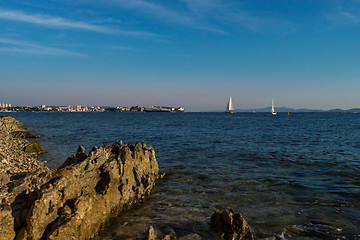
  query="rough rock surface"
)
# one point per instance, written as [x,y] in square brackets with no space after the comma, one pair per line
[10,123]
[74,201]
[13,158]
[231,226]
[167,234]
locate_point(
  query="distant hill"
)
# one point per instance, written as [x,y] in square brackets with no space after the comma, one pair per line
[285,109]
[278,109]
[353,110]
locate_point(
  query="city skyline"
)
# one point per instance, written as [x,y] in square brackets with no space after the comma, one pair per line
[189,53]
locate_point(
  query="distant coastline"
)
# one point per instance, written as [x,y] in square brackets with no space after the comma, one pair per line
[80,108]
[303,110]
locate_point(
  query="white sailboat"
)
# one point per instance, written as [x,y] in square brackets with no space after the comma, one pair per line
[230,107]
[273,107]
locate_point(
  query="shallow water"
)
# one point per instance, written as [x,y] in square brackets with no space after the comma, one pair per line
[292,177]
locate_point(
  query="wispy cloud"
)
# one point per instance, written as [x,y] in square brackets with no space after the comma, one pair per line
[263,25]
[232,12]
[208,15]
[342,17]
[58,22]
[166,14]
[217,16]
[155,10]
[15,46]
[126,49]
[203,6]
[342,13]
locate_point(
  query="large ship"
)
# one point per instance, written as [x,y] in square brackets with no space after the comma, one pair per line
[164,109]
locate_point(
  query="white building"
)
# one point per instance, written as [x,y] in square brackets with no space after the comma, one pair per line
[78,108]
[5,105]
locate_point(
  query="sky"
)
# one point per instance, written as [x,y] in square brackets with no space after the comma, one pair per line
[189,53]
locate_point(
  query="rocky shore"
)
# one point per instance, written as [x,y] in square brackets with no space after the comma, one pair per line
[75,200]
[17,155]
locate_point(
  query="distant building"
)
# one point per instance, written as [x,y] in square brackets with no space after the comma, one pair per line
[164,109]
[76,108]
[5,105]
[62,109]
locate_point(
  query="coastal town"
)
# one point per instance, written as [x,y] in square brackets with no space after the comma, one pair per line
[7,107]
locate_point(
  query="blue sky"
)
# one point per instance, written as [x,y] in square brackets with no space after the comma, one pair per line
[190,53]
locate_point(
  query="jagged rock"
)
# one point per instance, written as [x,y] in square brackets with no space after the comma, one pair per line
[15,200]
[231,226]
[24,134]
[152,234]
[74,201]
[71,202]
[10,123]
[6,222]
[78,157]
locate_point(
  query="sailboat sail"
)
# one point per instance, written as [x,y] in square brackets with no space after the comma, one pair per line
[230,107]
[273,107]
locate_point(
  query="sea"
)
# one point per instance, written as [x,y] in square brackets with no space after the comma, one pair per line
[292,176]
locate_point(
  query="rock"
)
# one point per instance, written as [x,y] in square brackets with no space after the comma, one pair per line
[78,157]
[74,201]
[34,148]
[15,200]
[169,234]
[6,222]
[151,234]
[10,123]
[4,178]
[13,158]
[24,134]
[231,226]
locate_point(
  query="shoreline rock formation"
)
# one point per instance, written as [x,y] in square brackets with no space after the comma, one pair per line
[231,226]
[228,225]
[17,155]
[75,200]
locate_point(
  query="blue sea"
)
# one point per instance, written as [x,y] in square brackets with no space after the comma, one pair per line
[292,176]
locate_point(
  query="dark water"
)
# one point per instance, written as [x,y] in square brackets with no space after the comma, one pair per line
[292,177]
